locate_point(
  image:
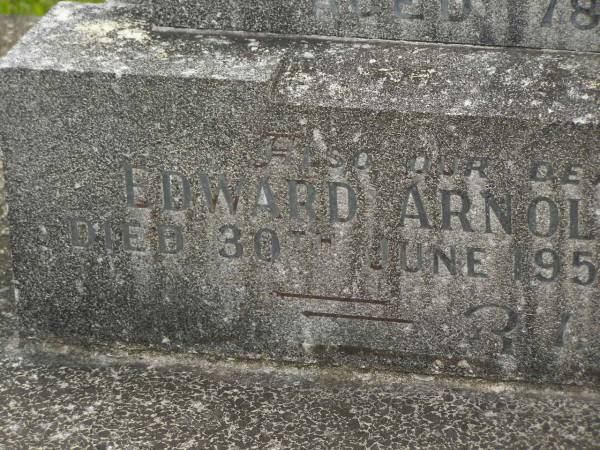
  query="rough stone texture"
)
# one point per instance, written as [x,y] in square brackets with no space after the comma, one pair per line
[163,404]
[106,94]
[7,310]
[69,397]
[137,400]
[12,28]
[521,23]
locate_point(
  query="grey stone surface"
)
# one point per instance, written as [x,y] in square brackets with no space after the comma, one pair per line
[116,134]
[7,310]
[559,24]
[160,403]
[56,396]
[12,28]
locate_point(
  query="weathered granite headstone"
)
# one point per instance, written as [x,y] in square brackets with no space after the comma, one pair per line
[423,207]
[560,24]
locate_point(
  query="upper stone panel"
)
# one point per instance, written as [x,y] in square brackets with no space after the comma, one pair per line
[556,24]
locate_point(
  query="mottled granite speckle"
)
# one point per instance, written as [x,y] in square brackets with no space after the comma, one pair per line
[227,405]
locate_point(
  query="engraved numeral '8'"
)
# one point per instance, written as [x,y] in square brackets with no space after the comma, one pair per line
[585,17]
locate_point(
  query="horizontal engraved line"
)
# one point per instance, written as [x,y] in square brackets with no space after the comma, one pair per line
[351,317]
[328,298]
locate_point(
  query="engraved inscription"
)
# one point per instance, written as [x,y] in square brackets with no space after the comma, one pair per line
[307,202]
[585,14]
[582,14]
[503,331]
[430,235]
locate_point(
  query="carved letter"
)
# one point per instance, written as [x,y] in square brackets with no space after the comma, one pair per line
[325,9]
[447,168]
[307,204]
[132,188]
[473,261]
[503,216]
[419,165]
[477,165]
[382,255]
[266,245]
[574,231]
[413,192]
[172,233]
[404,258]
[572,173]
[511,324]
[399,9]
[449,262]
[277,146]
[466,11]
[565,318]
[129,236]
[265,199]
[334,203]
[447,211]
[532,217]
[212,200]
[108,240]
[541,171]
[181,201]
[83,233]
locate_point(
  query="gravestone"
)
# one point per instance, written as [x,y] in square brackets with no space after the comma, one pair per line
[414,206]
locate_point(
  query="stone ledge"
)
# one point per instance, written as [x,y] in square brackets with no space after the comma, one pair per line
[152,400]
[548,86]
